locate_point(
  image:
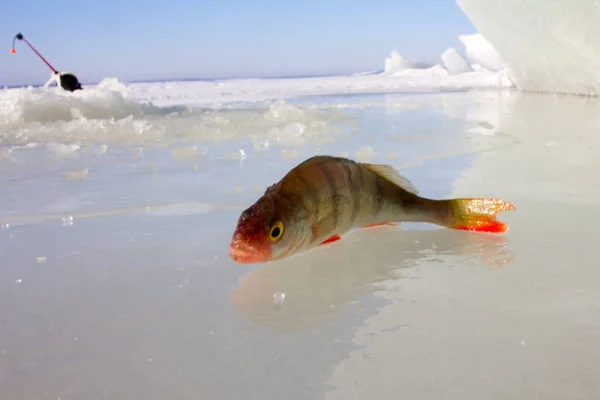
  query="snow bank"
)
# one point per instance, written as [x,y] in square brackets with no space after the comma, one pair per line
[483,69]
[113,113]
[549,46]
[109,99]
[112,103]
[232,92]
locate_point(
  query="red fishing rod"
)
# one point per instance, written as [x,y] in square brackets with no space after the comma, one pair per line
[20,37]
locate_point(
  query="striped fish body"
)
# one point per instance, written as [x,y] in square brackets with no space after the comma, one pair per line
[339,194]
[325,197]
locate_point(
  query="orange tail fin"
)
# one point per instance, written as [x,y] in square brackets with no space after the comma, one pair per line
[477,215]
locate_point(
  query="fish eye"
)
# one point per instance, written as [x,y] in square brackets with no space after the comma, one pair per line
[276,231]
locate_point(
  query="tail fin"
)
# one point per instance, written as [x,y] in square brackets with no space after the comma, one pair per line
[476,214]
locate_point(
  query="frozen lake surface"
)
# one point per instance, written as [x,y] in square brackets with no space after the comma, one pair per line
[115,280]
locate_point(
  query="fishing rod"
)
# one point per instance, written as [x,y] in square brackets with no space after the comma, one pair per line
[20,37]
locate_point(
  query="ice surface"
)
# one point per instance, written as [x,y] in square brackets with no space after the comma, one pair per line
[116,283]
[117,204]
[526,302]
[550,46]
[454,62]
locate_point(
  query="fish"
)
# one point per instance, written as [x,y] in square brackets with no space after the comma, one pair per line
[324,197]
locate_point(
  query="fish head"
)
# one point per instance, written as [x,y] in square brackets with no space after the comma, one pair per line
[265,231]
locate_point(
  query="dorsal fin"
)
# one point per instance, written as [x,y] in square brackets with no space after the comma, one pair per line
[390,174]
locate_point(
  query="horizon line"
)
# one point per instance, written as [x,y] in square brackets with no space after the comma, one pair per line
[214,78]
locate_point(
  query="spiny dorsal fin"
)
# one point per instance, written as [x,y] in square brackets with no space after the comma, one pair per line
[390,174]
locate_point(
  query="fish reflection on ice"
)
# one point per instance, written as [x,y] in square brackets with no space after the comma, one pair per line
[310,289]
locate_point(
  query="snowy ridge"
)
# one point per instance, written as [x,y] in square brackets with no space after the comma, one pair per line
[206,93]
[109,114]
[482,69]
[109,99]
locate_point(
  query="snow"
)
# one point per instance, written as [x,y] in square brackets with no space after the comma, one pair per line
[400,74]
[435,78]
[549,46]
[114,113]
[119,100]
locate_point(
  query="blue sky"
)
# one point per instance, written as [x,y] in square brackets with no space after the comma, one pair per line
[150,39]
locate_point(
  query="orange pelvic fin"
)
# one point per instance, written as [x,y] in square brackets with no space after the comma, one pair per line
[484,226]
[332,239]
[478,215]
[380,224]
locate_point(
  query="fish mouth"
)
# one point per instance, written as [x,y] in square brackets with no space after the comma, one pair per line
[243,253]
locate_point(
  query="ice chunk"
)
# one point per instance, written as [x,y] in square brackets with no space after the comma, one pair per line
[478,79]
[77,175]
[109,98]
[289,135]
[479,51]
[113,84]
[455,62]
[397,62]
[67,220]
[62,149]
[281,110]
[278,297]
[549,46]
